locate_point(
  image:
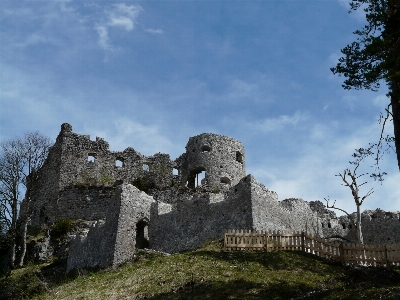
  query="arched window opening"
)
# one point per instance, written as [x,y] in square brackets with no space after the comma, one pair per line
[239,157]
[344,226]
[175,171]
[205,148]
[146,167]
[119,162]
[91,157]
[225,180]
[329,225]
[196,178]
[322,224]
[142,235]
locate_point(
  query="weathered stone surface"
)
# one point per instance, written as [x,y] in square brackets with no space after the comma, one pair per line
[221,157]
[76,179]
[112,242]
[83,179]
[42,249]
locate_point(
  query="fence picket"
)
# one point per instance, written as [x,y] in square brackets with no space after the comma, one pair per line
[375,255]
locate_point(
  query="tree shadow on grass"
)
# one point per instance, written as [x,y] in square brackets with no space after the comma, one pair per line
[364,287]
[235,289]
[277,260]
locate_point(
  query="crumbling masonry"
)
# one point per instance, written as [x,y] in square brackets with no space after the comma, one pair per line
[136,201]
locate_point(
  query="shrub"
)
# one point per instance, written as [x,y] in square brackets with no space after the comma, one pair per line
[143,184]
[62,227]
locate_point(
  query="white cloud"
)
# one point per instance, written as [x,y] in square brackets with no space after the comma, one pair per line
[103,37]
[123,16]
[123,22]
[333,59]
[345,3]
[123,133]
[311,174]
[256,89]
[381,101]
[29,103]
[359,14]
[155,31]
[275,124]
[120,16]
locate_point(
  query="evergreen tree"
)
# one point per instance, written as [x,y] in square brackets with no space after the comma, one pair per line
[375,56]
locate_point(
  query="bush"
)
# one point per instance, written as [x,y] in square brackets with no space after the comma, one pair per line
[143,184]
[62,227]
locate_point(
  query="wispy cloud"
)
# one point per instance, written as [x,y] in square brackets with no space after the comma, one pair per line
[311,173]
[123,133]
[103,37]
[155,31]
[123,16]
[120,16]
[278,123]
[255,89]
[359,14]
[381,101]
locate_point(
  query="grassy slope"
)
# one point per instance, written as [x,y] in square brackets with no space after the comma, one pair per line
[208,273]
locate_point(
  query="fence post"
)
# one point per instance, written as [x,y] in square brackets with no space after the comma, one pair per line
[341,252]
[386,258]
[225,231]
[302,241]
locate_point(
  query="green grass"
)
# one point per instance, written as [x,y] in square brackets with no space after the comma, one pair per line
[208,273]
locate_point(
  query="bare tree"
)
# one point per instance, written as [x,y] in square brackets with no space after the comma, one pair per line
[19,159]
[349,179]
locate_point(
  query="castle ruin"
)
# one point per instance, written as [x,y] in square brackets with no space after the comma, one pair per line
[137,201]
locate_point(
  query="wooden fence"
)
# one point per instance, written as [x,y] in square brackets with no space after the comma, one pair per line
[369,255]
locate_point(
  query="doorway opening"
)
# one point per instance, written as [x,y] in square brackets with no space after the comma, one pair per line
[142,235]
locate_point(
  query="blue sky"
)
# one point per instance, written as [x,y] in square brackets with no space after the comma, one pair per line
[150,74]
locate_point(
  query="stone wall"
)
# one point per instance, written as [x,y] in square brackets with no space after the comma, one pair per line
[82,179]
[84,203]
[112,242]
[380,227]
[44,193]
[195,220]
[76,163]
[221,158]
[205,215]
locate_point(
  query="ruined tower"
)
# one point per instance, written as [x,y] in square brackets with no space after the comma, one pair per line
[222,159]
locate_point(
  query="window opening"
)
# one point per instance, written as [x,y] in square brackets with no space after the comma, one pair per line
[142,235]
[146,167]
[205,148]
[200,178]
[119,163]
[196,178]
[225,180]
[329,225]
[344,226]
[239,157]
[175,171]
[91,157]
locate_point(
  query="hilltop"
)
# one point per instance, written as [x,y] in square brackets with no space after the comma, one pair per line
[206,273]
